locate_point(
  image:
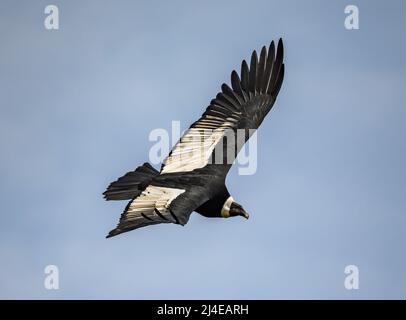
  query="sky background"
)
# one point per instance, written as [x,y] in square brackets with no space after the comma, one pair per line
[77,106]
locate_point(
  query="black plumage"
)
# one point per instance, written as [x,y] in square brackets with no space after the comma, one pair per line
[183,184]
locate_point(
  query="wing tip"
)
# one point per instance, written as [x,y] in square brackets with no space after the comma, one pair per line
[113,233]
[250,73]
[280,49]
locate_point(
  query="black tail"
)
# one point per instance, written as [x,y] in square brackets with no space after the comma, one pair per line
[131,184]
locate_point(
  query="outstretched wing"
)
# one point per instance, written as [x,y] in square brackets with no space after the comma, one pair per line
[168,199]
[244,106]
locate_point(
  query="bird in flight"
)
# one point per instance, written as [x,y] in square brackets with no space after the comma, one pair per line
[192,177]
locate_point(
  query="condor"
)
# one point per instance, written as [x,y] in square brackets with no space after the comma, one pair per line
[188,180]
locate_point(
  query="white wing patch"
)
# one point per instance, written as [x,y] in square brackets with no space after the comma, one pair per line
[152,198]
[195,148]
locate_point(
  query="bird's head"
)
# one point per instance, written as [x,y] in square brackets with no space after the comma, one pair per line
[233,209]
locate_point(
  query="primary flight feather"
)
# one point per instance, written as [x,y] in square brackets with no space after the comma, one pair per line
[192,177]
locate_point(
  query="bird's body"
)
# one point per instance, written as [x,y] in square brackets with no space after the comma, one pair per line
[192,178]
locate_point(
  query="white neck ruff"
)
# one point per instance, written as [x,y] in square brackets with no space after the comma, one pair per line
[225,211]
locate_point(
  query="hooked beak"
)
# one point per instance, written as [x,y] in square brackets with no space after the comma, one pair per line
[243,213]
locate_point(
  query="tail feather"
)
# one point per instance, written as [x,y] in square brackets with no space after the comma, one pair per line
[131,184]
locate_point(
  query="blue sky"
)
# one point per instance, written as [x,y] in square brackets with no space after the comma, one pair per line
[77,106]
